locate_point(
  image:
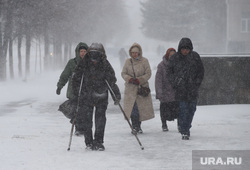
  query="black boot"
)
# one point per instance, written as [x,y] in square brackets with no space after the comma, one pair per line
[139,130]
[98,146]
[185,137]
[164,125]
[135,124]
[164,128]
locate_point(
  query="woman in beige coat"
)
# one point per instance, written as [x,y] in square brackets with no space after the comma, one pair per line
[136,71]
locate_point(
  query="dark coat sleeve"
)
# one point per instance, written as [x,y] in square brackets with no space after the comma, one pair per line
[65,75]
[77,77]
[198,72]
[111,79]
[170,71]
[158,81]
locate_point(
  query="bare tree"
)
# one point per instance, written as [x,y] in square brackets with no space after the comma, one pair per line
[60,24]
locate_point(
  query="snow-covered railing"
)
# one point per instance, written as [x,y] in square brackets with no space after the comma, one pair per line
[225,55]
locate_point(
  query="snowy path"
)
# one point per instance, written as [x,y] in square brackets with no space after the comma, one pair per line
[34,135]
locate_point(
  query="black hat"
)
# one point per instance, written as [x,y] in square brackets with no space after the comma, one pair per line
[83,47]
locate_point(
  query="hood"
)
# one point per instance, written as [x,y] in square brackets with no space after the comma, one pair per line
[77,52]
[97,47]
[185,42]
[135,45]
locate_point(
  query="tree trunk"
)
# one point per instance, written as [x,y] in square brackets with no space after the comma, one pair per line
[27,62]
[40,55]
[5,36]
[70,50]
[2,58]
[11,58]
[66,53]
[46,47]
[2,61]
[57,53]
[19,45]
[36,56]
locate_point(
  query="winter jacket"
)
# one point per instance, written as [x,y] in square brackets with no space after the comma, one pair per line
[185,73]
[143,73]
[163,88]
[66,75]
[94,88]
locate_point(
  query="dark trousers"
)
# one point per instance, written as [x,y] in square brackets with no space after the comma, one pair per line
[186,114]
[169,111]
[84,122]
[135,117]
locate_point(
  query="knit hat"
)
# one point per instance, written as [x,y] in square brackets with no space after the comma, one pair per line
[83,47]
[135,50]
[169,50]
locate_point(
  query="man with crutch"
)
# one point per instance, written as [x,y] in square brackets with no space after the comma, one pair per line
[91,75]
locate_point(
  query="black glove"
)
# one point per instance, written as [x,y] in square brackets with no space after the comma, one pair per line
[58,91]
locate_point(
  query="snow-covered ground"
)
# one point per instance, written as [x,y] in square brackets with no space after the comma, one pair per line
[34,135]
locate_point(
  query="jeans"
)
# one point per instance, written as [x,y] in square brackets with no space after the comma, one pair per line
[135,117]
[186,114]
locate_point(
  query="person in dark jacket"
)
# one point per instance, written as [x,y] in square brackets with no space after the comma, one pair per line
[165,93]
[94,71]
[66,75]
[185,73]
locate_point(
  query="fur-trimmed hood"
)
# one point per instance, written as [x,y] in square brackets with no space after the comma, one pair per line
[135,45]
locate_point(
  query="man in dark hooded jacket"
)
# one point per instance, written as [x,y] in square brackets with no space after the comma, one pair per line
[185,73]
[93,72]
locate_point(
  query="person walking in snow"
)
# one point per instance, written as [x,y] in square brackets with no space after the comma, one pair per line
[123,56]
[66,75]
[165,93]
[94,71]
[136,72]
[185,73]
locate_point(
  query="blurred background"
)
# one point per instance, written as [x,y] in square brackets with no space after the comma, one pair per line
[41,35]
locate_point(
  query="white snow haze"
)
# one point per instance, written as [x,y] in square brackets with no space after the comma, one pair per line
[34,135]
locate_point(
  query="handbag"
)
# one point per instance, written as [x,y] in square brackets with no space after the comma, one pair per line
[143,91]
[68,108]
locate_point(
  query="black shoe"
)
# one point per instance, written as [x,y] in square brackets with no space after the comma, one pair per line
[164,128]
[134,132]
[89,146]
[139,130]
[98,146]
[185,137]
[79,133]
